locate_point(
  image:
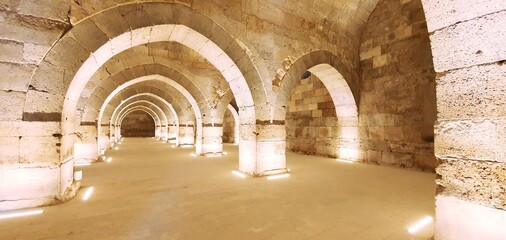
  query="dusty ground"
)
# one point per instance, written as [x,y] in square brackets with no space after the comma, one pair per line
[153,191]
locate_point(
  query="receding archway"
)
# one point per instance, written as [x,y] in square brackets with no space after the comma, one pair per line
[138,124]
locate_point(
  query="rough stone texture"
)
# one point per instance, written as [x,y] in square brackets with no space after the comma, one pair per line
[138,124]
[474,92]
[465,52]
[466,39]
[397,103]
[480,182]
[311,123]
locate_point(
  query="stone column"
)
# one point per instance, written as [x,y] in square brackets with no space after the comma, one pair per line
[212,138]
[186,134]
[103,139]
[172,131]
[270,147]
[468,43]
[158,131]
[85,147]
[262,152]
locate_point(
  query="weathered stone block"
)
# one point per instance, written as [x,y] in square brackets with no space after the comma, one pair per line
[441,14]
[475,181]
[9,152]
[474,92]
[469,50]
[51,9]
[11,51]
[470,139]
[39,150]
[9,109]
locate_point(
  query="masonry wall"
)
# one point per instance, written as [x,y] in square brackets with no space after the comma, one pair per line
[311,123]
[228,127]
[138,124]
[397,107]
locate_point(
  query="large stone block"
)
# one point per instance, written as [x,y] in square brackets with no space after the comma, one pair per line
[15,76]
[10,108]
[89,35]
[471,139]
[22,128]
[39,150]
[467,49]
[20,28]
[34,53]
[440,14]
[50,9]
[9,152]
[11,51]
[24,186]
[473,92]
[475,181]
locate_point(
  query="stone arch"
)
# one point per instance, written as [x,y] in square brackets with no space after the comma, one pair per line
[185,115]
[136,109]
[334,75]
[161,115]
[148,110]
[122,115]
[89,101]
[168,105]
[343,87]
[157,104]
[68,66]
[172,83]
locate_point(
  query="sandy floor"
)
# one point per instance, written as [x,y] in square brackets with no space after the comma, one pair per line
[153,191]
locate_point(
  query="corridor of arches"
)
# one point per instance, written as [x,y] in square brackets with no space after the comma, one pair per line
[343,119]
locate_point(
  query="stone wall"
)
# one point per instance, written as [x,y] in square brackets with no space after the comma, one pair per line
[138,124]
[467,39]
[311,119]
[228,128]
[398,98]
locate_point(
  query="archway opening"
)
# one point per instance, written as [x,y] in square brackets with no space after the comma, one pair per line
[138,124]
[321,115]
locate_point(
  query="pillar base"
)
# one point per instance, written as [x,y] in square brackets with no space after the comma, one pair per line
[40,185]
[267,173]
[186,145]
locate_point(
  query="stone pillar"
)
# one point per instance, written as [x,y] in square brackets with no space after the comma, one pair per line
[212,138]
[158,131]
[172,131]
[112,133]
[85,147]
[117,130]
[31,169]
[271,147]
[262,153]
[468,43]
[186,134]
[103,139]
[165,133]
